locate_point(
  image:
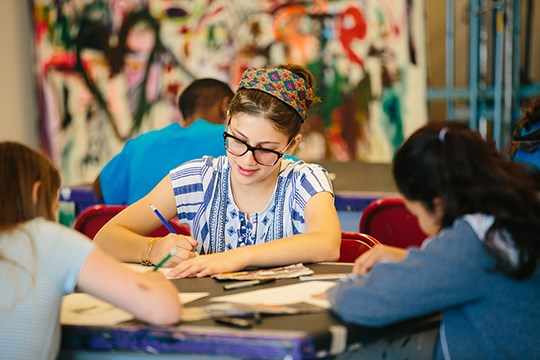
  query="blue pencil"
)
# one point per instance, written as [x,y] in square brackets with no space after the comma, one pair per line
[160,217]
[166,223]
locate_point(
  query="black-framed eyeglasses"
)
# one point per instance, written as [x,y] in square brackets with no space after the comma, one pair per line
[262,156]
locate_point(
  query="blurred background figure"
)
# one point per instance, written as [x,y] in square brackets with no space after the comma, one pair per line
[147,158]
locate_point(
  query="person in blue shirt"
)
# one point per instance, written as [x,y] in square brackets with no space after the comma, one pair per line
[525,146]
[147,158]
[479,268]
[252,207]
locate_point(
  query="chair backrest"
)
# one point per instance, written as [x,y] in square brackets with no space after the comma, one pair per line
[91,219]
[354,244]
[389,221]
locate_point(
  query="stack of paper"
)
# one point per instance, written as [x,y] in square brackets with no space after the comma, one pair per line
[283,272]
[223,309]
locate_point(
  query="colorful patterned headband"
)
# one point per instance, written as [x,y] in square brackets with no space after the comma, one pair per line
[281,84]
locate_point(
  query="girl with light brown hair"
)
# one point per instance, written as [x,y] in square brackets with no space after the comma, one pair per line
[40,261]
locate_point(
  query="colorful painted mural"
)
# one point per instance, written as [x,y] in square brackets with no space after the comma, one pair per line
[108,70]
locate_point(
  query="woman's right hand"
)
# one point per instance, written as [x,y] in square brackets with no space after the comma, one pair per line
[186,249]
[379,253]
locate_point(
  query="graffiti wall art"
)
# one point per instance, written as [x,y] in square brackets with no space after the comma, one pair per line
[108,70]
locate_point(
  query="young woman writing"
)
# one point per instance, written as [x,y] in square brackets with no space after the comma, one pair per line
[249,208]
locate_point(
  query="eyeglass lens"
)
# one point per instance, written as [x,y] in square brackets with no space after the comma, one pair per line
[262,156]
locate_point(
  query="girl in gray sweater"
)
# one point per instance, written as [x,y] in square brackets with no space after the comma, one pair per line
[479,268]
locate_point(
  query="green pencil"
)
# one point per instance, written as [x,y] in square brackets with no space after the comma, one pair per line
[167,257]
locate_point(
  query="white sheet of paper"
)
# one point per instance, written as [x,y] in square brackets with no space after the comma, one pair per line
[184,297]
[85,309]
[283,295]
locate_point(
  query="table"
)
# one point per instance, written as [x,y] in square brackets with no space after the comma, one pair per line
[303,336]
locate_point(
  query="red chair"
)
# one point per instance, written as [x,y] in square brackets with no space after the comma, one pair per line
[91,219]
[354,244]
[388,220]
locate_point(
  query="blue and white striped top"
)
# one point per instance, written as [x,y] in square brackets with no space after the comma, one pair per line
[205,203]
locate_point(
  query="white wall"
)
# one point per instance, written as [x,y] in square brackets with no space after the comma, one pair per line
[18,109]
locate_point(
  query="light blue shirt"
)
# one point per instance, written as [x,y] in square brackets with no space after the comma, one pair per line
[205,203]
[40,263]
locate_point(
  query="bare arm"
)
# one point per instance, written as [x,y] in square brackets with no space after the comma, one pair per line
[148,296]
[124,235]
[320,243]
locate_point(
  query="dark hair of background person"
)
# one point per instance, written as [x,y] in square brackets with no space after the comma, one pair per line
[258,103]
[531,114]
[202,94]
[472,177]
[526,137]
[21,167]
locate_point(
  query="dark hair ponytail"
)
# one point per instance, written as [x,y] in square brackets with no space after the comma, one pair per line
[450,161]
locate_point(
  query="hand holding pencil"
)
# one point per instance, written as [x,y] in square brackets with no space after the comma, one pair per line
[165,259]
[172,248]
